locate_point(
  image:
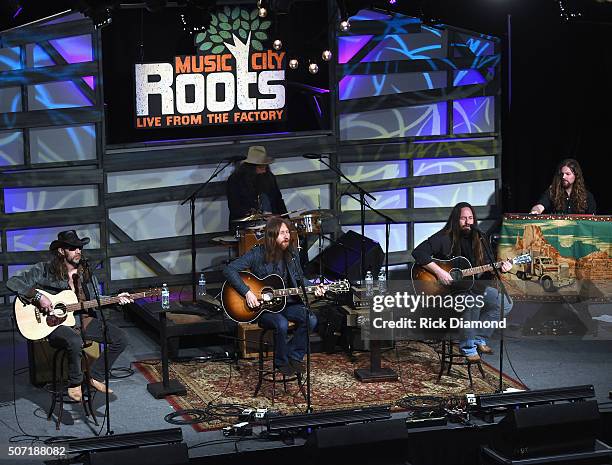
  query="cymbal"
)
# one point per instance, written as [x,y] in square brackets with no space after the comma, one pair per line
[253,217]
[318,213]
[225,240]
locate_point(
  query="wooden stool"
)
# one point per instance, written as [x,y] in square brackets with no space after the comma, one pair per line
[57,385]
[448,358]
[271,375]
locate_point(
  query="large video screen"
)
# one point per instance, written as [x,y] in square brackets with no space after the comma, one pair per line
[189,73]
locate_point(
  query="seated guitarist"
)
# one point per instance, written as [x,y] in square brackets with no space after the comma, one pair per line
[64,271]
[276,256]
[455,239]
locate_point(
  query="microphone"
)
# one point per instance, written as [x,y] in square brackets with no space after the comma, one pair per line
[235,158]
[474,227]
[314,156]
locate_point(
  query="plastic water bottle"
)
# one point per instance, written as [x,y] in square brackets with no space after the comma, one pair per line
[165,297]
[369,284]
[382,281]
[201,286]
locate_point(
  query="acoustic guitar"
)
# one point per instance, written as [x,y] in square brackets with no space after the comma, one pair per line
[34,323]
[271,293]
[461,271]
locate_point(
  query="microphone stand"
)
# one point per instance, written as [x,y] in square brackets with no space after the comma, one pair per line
[362,204]
[375,372]
[504,297]
[191,199]
[105,348]
[307,315]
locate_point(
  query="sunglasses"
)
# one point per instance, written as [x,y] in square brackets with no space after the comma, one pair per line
[72,249]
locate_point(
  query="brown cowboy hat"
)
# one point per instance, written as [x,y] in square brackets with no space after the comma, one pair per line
[66,239]
[257,155]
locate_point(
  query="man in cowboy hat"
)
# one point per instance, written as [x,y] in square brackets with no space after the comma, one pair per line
[252,187]
[65,271]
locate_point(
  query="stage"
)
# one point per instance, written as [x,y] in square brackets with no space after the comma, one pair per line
[540,364]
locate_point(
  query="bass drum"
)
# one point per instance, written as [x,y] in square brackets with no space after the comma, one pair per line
[249,238]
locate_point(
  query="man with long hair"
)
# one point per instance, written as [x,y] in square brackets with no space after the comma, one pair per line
[277,256]
[458,239]
[65,271]
[252,187]
[567,192]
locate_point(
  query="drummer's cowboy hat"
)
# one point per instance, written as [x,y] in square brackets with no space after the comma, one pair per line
[257,155]
[67,239]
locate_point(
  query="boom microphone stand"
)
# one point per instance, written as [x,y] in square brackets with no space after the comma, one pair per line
[87,271]
[191,199]
[504,297]
[307,315]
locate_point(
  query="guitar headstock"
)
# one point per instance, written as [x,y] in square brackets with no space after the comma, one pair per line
[521,259]
[339,286]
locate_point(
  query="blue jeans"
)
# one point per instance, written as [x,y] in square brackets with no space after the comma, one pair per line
[471,337]
[296,347]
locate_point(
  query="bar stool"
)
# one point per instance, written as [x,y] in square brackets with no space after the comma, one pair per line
[271,375]
[57,385]
[449,356]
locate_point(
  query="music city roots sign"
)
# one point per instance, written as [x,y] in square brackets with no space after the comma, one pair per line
[246,85]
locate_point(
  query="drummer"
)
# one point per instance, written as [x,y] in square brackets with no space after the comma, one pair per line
[252,187]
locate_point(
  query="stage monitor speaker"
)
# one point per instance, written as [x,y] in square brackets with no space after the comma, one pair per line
[359,433]
[159,454]
[548,429]
[344,257]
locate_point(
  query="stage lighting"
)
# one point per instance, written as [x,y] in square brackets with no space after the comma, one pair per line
[313,68]
[293,63]
[326,55]
[345,25]
[277,44]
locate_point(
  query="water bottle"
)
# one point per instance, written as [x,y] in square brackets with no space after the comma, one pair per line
[201,286]
[369,284]
[165,297]
[382,281]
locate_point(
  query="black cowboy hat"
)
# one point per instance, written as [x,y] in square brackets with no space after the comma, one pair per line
[66,239]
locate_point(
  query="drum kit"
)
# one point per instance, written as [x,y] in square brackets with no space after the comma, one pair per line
[250,229]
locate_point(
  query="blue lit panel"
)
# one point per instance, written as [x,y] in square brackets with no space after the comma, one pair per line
[36,57]
[9,59]
[477,46]
[474,115]
[39,239]
[386,199]
[376,232]
[48,145]
[64,94]
[11,148]
[10,99]
[466,77]
[430,166]
[49,198]
[424,230]
[369,15]
[477,193]
[358,86]
[76,49]
[422,120]
[375,170]
[419,46]
[348,46]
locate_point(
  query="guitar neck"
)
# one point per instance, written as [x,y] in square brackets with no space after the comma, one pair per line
[480,269]
[293,291]
[103,302]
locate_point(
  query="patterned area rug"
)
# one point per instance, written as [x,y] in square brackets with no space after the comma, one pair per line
[333,384]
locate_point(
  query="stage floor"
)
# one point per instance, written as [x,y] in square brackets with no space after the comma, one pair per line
[539,364]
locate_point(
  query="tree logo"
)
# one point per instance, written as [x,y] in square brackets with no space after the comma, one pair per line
[232,24]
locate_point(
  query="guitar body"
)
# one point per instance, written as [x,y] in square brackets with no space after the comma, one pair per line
[33,324]
[235,305]
[426,282]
